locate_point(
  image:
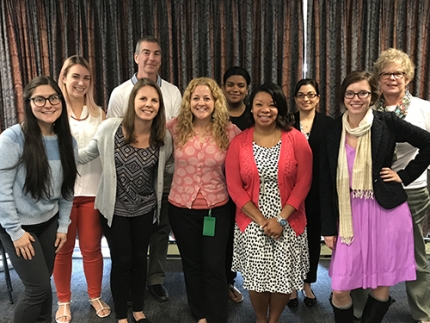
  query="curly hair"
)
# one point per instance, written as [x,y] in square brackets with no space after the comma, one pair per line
[393,55]
[93,108]
[220,117]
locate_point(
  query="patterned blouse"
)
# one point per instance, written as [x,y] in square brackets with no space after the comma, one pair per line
[199,169]
[135,170]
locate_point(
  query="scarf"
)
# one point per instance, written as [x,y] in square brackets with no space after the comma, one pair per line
[401,109]
[361,175]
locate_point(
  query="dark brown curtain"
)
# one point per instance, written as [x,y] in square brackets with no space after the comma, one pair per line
[198,38]
[346,35]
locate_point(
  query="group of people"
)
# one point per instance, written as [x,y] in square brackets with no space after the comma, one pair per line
[245,186]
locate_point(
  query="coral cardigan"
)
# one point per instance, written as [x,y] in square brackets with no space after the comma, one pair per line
[294,175]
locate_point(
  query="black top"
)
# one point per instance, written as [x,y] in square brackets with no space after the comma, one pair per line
[320,126]
[387,129]
[243,121]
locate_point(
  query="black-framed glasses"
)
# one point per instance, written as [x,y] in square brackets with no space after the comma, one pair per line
[387,75]
[309,95]
[361,94]
[40,101]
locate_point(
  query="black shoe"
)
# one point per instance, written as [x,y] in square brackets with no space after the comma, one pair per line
[309,302]
[159,292]
[293,303]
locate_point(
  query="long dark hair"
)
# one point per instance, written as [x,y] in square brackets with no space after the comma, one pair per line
[34,159]
[285,118]
[158,127]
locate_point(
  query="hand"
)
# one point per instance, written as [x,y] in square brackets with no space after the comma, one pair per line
[273,229]
[388,175]
[24,246]
[60,241]
[330,241]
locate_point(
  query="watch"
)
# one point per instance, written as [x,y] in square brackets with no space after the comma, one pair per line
[282,222]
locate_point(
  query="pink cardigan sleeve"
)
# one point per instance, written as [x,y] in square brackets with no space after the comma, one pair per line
[303,182]
[233,174]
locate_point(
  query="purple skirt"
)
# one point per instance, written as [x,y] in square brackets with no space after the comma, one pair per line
[382,251]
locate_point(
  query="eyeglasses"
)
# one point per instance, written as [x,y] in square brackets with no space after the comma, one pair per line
[397,75]
[310,95]
[40,101]
[361,94]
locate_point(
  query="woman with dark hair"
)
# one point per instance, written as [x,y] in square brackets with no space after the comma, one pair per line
[313,126]
[269,173]
[394,70]
[236,85]
[134,152]
[77,83]
[37,176]
[366,220]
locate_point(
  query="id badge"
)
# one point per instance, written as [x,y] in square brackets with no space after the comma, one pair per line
[209,225]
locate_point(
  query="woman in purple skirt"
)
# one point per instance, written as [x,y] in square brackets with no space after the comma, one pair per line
[365,218]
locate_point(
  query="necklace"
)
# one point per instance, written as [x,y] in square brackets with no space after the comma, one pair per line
[81,119]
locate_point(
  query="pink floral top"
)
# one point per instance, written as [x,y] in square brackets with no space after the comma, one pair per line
[199,168]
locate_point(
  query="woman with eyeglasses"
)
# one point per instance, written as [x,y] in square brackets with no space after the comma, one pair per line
[394,70]
[314,126]
[365,218]
[37,176]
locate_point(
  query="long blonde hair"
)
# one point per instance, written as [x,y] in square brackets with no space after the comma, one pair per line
[93,108]
[220,117]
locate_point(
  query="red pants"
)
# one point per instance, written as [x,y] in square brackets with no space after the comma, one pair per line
[86,223]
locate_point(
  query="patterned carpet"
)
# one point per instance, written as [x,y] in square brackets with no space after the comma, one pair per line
[176,309]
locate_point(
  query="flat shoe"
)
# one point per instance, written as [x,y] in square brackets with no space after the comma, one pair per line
[234,294]
[293,303]
[144,320]
[103,307]
[309,302]
[64,314]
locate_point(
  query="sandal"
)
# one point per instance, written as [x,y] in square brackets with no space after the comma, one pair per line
[67,315]
[234,294]
[103,307]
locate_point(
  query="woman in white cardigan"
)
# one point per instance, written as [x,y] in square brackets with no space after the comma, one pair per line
[134,152]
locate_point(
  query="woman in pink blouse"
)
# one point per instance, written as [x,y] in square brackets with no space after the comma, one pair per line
[269,173]
[198,199]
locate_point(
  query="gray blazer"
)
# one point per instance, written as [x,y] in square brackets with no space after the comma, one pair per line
[103,145]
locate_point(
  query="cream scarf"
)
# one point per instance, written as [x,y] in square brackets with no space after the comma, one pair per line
[361,174]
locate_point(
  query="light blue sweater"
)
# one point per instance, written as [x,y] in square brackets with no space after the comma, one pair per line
[17,208]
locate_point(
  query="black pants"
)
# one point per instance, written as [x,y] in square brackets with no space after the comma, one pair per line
[128,240]
[35,305]
[314,244]
[230,275]
[203,260]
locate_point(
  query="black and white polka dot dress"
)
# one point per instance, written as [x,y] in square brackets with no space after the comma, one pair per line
[266,264]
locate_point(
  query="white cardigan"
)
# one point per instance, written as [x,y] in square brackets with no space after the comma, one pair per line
[103,145]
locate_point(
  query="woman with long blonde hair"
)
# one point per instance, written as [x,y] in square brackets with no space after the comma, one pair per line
[198,200]
[76,82]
